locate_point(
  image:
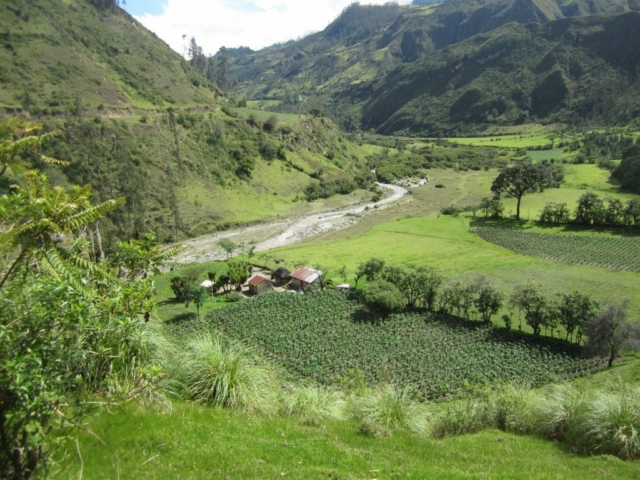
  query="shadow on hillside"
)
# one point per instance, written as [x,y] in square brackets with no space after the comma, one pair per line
[182,318]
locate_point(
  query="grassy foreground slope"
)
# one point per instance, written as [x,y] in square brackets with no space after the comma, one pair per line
[204,443]
[52,51]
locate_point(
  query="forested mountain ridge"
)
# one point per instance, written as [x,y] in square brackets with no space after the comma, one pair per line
[56,55]
[570,70]
[348,74]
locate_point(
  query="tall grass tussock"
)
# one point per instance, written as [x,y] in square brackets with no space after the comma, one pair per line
[221,373]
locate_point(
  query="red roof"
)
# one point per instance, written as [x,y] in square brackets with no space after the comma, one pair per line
[306,274]
[257,280]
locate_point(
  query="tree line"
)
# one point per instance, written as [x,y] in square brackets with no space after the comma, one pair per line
[604,330]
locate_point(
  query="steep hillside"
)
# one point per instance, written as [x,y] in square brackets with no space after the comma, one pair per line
[571,70]
[186,174]
[343,68]
[57,54]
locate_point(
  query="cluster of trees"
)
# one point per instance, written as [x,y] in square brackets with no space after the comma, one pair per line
[487,207]
[393,167]
[391,289]
[594,210]
[72,323]
[212,68]
[628,172]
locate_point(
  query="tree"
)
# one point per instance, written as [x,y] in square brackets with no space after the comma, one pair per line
[609,332]
[197,56]
[628,172]
[194,294]
[223,65]
[383,297]
[556,213]
[574,312]
[520,179]
[530,298]
[632,212]
[491,207]
[228,246]
[488,300]
[590,210]
[140,257]
[239,272]
[371,269]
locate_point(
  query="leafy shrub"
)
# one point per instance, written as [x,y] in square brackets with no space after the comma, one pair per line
[450,210]
[383,297]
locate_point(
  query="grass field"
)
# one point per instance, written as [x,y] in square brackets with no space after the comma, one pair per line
[446,244]
[204,443]
[508,141]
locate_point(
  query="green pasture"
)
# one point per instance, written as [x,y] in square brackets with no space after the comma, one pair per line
[589,177]
[263,116]
[538,156]
[508,141]
[195,442]
[446,244]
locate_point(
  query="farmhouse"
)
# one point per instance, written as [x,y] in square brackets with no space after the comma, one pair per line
[259,284]
[304,277]
[281,276]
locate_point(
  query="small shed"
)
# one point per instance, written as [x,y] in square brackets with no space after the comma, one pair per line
[281,276]
[304,277]
[259,284]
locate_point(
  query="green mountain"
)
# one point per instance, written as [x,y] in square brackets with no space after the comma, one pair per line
[420,68]
[570,70]
[53,52]
[137,120]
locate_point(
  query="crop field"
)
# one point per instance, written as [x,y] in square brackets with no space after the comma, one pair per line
[322,336]
[616,253]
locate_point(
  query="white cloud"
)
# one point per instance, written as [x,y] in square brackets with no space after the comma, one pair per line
[234,23]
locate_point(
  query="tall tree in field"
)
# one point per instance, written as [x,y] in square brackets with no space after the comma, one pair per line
[223,65]
[520,179]
[609,332]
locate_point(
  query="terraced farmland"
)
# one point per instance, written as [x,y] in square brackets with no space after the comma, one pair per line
[621,253]
[322,336]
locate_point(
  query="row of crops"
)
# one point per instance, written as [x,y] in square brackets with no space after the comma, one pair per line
[319,336]
[621,253]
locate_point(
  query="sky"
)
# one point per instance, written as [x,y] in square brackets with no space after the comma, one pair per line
[235,23]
